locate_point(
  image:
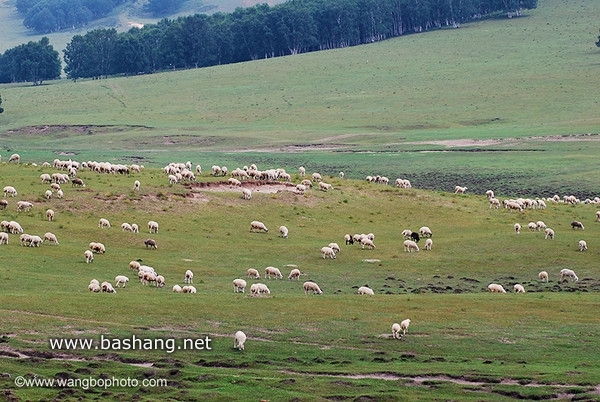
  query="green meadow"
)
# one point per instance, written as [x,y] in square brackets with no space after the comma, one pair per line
[509,105]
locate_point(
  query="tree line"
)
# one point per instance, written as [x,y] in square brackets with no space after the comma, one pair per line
[261,31]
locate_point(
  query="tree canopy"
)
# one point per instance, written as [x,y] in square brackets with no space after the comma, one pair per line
[34,61]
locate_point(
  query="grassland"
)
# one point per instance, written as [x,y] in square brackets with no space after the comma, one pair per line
[514,102]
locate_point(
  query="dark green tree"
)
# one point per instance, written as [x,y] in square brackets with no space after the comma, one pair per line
[34,61]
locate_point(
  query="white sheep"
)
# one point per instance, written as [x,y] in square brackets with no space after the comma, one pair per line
[48,194]
[50,215]
[10,190]
[35,241]
[459,190]
[532,226]
[364,290]
[94,286]
[404,325]
[325,186]
[365,241]
[582,245]
[540,225]
[283,232]
[54,187]
[246,194]
[253,273]
[188,289]
[51,238]
[543,276]
[428,244]
[312,287]
[97,248]
[316,177]
[160,281]
[189,277]
[126,227]
[121,279]
[494,203]
[496,288]
[135,228]
[107,287]
[238,340]
[294,274]
[14,227]
[568,273]
[410,246]
[239,285]
[152,227]
[517,227]
[136,185]
[24,205]
[272,271]
[3,238]
[177,289]
[519,288]
[549,233]
[425,231]
[257,226]
[134,265]
[46,178]
[489,194]
[327,252]
[89,256]
[406,233]
[14,158]
[259,288]
[300,189]
[396,331]
[335,247]
[59,193]
[103,223]
[3,204]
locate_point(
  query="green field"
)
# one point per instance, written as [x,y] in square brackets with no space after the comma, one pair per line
[508,105]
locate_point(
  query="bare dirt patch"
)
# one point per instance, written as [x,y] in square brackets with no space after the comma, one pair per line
[267,187]
[466,142]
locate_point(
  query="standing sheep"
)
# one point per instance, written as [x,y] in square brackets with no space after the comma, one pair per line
[10,190]
[103,223]
[396,331]
[151,243]
[152,227]
[283,232]
[253,273]
[3,238]
[294,274]
[577,225]
[48,194]
[272,271]
[3,204]
[239,285]
[459,190]
[51,238]
[238,340]
[177,289]
[136,185]
[259,288]
[50,215]
[582,245]
[89,256]
[327,252]
[410,246]
[404,326]
[312,287]
[568,273]
[246,194]
[425,231]
[519,288]
[517,227]
[549,233]
[348,239]
[543,276]
[121,279]
[257,226]
[428,244]
[496,288]
[189,276]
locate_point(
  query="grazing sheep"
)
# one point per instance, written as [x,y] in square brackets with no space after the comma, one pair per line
[414,236]
[152,227]
[246,194]
[494,202]
[136,185]
[341,175]
[365,290]
[312,287]
[77,182]
[134,265]
[404,326]
[3,204]
[283,232]
[234,182]
[160,281]
[428,244]
[365,241]
[568,273]
[97,248]
[532,226]
[46,178]
[238,340]
[189,277]
[59,193]
[294,274]
[16,158]
[35,241]
[597,216]
[335,247]
[396,331]
[316,177]
[48,194]
[257,226]
[325,186]
[272,271]
[10,190]
[253,273]
[188,289]
[54,186]
[126,227]
[135,228]
[89,256]
[406,234]
[540,225]
[177,289]
[103,223]
[239,285]
[459,190]
[496,288]
[3,238]
[348,239]
[94,287]
[519,288]
[489,194]
[549,233]
[259,288]
[24,205]
[51,238]
[150,243]
[543,276]
[327,252]
[577,225]
[582,245]
[425,231]
[107,287]
[517,228]
[121,279]
[50,215]
[300,189]
[410,246]
[14,227]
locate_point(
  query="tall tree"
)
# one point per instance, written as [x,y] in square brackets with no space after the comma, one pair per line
[34,61]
